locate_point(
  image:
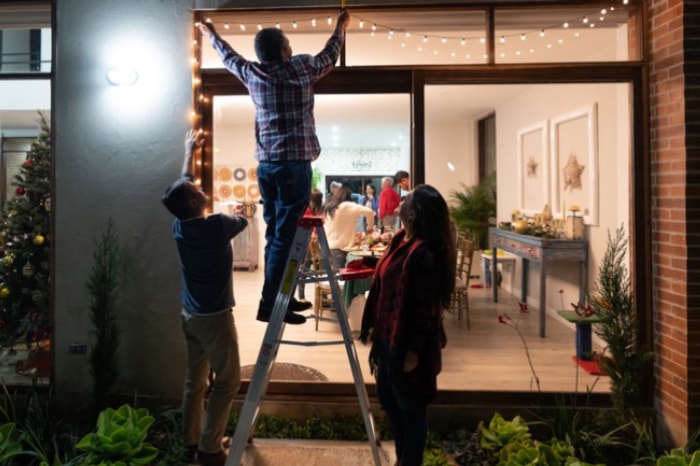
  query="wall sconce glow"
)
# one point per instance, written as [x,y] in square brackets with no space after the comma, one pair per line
[122,76]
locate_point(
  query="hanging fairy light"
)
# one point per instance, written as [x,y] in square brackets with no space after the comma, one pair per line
[391,31]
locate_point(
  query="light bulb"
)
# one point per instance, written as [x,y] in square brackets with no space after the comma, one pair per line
[242,27]
[294,24]
[522,36]
[463,41]
[122,76]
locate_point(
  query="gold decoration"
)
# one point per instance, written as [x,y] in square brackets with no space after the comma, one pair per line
[532,168]
[4,292]
[38,240]
[572,173]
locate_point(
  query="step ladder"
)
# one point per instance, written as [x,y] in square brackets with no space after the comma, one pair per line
[275,327]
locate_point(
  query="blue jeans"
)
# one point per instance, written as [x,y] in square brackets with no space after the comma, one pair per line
[285,189]
[405,411]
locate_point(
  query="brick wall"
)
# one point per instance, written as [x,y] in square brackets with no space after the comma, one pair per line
[673,222]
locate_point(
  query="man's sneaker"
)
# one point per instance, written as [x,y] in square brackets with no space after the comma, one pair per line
[191,450]
[298,306]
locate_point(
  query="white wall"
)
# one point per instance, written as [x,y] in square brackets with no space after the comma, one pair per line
[116,150]
[547,101]
[452,143]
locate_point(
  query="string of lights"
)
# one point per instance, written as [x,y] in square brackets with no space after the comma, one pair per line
[589,20]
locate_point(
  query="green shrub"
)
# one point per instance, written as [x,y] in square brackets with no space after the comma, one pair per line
[119,439]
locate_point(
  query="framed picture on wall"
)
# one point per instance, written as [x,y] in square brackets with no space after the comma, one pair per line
[574,153]
[533,169]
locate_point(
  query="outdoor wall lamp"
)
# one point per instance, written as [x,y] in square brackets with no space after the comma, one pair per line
[122,76]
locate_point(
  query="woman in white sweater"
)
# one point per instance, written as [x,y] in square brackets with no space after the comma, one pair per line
[340,217]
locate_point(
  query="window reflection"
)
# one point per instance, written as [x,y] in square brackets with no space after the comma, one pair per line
[567,34]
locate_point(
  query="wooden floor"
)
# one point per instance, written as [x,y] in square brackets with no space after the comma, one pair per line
[491,356]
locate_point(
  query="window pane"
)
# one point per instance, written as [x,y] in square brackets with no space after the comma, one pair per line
[567,34]
[443,37]
[378,38]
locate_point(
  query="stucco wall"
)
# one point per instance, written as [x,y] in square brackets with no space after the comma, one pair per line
[116,149]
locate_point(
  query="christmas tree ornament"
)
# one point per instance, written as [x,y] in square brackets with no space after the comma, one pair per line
[20,191]
[47,204]
[4,292]
[8,260]
[28,270]
[38,240]
[28,164]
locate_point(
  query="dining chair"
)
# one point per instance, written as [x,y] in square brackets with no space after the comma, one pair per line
[460,296]
[323,296]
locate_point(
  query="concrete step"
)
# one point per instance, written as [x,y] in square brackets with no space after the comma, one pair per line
[284,452]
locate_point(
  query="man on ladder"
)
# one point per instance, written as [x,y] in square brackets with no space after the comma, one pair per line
[286,141]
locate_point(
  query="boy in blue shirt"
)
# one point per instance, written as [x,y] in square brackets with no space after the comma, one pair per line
[206,260]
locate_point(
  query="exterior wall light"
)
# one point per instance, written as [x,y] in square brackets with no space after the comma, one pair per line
[122,76]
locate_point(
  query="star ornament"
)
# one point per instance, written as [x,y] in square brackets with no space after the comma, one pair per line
[532,168]
[572,172]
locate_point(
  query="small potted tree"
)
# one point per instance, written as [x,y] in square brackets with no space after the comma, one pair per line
[473,209]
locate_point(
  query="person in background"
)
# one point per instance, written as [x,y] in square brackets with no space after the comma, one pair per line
[281,86]
[412,285]
[315,209]
[334,187]
[388,203]
[206,258]
[340,217]
[371,200]
[402,182]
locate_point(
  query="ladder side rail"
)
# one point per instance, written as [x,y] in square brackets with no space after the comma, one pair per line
[268,349]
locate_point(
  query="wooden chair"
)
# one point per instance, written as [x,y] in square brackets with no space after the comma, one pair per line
[323,297]
[460,296]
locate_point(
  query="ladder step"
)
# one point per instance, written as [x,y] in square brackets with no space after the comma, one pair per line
[311,343]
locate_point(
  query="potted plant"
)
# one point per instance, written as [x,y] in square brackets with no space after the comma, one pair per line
[473,209]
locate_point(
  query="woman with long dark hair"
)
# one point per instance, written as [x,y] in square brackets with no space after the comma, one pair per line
[412,285]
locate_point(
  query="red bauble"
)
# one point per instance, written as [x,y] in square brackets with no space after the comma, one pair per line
[20,191]
[28,163]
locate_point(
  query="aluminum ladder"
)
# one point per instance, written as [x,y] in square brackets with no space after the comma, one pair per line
[245,428]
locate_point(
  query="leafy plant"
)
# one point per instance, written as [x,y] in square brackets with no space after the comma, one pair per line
[613,302]
[501,432]
[102,288]
[678,457]
[119,439]
[9,446]
[473,207]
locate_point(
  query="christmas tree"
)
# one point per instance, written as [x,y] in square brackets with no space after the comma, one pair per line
[24,248]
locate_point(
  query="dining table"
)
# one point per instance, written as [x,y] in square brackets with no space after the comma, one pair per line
[359,286]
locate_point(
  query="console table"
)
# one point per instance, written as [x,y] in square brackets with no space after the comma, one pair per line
[542,251]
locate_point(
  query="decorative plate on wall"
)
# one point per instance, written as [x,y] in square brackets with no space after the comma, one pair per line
[239,191]
[253,174]
[253,191]
[223,174]
[224,191]
[239,174]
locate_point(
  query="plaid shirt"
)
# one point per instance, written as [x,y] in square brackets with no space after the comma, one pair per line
[283,95]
